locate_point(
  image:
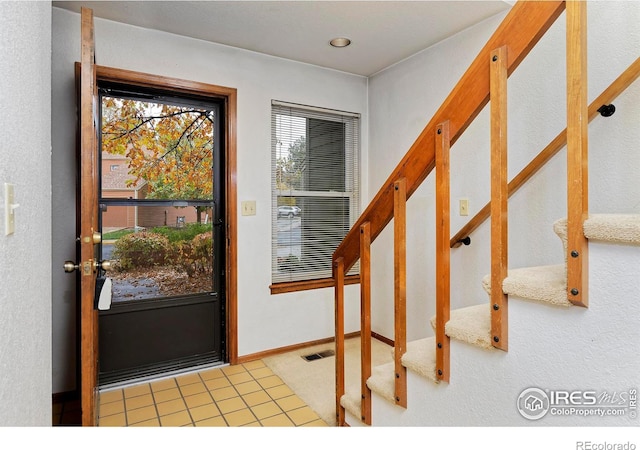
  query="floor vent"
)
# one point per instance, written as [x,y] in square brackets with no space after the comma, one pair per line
[314,356]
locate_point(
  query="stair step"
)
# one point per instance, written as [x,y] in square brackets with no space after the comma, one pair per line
[351,401]
[420,358]
[619,228]
[471,325]
[382,381]
[546,284]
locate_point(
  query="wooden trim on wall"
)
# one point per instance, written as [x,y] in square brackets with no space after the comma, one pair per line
[229,96]
[307,285]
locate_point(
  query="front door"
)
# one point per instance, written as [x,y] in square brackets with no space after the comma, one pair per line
[162,219]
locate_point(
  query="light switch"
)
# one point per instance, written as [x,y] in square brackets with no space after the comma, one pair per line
[9,209]
[464,207]
[248,208]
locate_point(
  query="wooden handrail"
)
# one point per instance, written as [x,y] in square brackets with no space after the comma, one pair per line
[521,29]
[618,86]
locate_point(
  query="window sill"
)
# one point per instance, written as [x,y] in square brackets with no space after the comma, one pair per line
[307,285]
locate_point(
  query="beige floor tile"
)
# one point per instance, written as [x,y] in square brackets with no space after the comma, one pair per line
[231,405]
[116,420]
[253,424]
[279,391]
[147,423]
[135,391]
[239,418]
[212,422]
[141,414]
[232,370]
[238,378]
[280,420]
[269,382]
[198,400]
[252,365]
[265,410]
[211,374]
[139,402]
[291,402]
[246,388]
[224,393]
[204,412]
[176,419]
[111,408]
[192,389]
[217,383]
[111,396]
[166,395]
[163,385]
[261,372]
[190,378]
[171,407]
[303,415]
[316,423]
[256,398]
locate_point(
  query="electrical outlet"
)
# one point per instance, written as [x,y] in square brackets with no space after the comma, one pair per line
[249,208]
[464,207]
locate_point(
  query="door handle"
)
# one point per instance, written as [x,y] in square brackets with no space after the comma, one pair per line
[70,266]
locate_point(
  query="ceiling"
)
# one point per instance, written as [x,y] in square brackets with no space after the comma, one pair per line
[382,32]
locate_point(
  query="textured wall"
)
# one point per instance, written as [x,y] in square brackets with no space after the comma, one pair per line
[265,321]
[550,348]
[25,257]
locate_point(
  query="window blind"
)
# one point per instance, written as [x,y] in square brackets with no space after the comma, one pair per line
[315,187]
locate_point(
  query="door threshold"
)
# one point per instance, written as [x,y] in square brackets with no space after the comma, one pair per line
[158,377]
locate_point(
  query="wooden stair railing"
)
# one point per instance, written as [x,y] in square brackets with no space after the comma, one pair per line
[617,87]
[521,29]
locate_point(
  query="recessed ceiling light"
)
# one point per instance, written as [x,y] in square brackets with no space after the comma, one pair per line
[340,42]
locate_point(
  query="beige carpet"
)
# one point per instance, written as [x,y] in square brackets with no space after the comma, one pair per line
[314,381]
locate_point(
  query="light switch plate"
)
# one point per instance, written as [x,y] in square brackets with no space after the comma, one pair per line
[248,208]
[464,207]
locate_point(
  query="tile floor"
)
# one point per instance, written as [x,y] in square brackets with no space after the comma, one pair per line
[247,394]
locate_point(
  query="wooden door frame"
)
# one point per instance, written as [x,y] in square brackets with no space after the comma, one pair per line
[229,99]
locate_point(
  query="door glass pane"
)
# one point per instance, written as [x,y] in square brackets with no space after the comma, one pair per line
[154,150]
[158,251]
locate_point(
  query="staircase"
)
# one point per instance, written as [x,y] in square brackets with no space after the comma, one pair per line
[477,349]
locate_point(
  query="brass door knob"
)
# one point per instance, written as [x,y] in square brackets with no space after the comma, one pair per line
[104,265]
[70,266]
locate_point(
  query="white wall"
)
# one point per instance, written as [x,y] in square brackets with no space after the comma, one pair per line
[403,99]
[25,152]
[265,321]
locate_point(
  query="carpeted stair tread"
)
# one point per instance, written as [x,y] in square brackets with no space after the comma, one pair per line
[546,284]
[382,381]
[619,228]
[420,358]
[471,325]
[351,401]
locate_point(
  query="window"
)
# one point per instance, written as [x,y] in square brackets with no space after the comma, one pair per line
[315,187]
